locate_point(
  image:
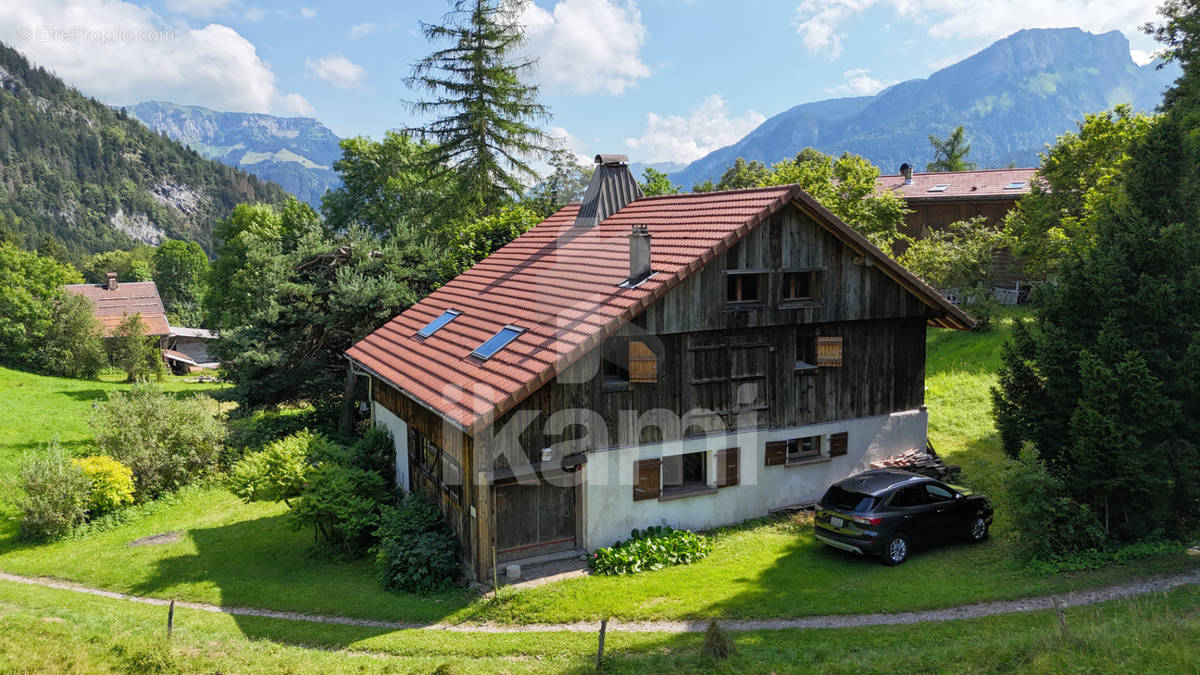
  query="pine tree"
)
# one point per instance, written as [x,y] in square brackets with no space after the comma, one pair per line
[950,154]
[485,115]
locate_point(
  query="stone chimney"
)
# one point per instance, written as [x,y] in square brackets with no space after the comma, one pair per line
[612,188]
[110,281]
[639,254]
[906,171]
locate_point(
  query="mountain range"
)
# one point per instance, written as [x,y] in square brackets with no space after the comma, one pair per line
[93,178]
[296,152]
[1012,98]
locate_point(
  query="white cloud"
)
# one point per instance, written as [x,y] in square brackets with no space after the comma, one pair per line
[586,46]
[359,30]
[308,12]
[124,53]
[1142,58]
[198,8]
[571,142]
[337,70]
[819,21]
[859,83]
[675,138]
[254,14]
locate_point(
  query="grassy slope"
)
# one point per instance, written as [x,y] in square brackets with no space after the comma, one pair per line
[45,630]
[248,554]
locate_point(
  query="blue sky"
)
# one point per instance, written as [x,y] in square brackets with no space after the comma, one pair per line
[660,80]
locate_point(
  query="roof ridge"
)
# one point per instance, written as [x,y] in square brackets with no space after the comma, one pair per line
[959,173]
[718,192]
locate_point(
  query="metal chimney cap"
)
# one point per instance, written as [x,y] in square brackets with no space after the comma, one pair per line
[612,160]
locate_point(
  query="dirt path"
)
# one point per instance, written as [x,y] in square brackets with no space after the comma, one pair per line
[1125,590]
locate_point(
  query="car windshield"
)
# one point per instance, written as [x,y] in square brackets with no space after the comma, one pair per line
[842,498]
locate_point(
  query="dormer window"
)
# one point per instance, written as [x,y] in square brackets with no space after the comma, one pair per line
[497,342]
[437,324]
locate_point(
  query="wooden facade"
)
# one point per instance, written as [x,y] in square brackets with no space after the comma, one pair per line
[928,215]
[775,350]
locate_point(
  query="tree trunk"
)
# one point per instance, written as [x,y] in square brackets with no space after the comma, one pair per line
[348,394]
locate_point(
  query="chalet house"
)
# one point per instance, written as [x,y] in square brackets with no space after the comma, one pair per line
[936,200]
[184,349]
[693,359]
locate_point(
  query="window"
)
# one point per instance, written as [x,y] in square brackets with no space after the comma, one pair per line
[626,361]
[743,287]
[908,497]
[848,500]
[437,324]
[799,286]
[839,444]
[940,187]
[829,352]
[806,356]
[685,472]
[727,467]
[1015,185]
[793,451]
[937,493]
[497,342]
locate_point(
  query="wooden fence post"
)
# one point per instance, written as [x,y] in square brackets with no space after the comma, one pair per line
[1062,618]
[170,619]
[600,651]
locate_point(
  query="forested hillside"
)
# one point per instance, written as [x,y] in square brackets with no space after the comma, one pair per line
[95,178]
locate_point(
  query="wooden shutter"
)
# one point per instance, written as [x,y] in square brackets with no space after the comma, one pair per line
[839,444]
[776,453]
[647,482]
[643,364]
[727,467]
[829,351]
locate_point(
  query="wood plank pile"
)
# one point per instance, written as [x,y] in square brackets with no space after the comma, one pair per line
[925,462]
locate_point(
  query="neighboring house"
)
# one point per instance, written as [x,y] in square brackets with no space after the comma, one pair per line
[939,199]
[693,359]
[114,301]
[183,348]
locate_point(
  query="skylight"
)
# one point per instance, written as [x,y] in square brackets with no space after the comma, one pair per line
[940,187]
[1015,185]
[436,325]
[497,342]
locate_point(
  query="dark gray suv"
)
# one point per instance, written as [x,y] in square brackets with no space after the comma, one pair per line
[884,512]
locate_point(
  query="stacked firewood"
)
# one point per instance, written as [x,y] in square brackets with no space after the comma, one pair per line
[923,461]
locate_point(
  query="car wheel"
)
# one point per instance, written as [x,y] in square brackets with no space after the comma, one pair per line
[896,550]
[978,530]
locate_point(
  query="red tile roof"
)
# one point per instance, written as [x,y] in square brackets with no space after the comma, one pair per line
[130,297]
[560,283]
[988,184]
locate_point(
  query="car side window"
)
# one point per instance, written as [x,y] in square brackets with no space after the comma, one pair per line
[909,496]
[938,493]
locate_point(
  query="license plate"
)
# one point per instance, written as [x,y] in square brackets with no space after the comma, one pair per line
[836,522]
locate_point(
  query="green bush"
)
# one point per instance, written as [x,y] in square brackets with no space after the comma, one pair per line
[650,549]
[257,430]
[1092,559]
[280,471]
[341,503]
[112,483]
[416,552]
[55,494]
[166,441]
[1048,522]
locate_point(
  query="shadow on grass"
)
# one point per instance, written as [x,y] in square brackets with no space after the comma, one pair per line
[267,564]
[98,395]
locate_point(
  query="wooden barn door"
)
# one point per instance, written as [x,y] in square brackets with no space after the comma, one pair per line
[533,519]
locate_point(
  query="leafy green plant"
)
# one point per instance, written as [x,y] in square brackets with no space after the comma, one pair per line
[1049,523]
[650,549]
[278,472]
[341,503]
[166,441]
[55,494]
[112,483]
[416,552]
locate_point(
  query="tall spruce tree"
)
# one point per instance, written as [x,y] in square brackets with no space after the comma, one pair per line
[950,154]
[485,117]
[1106,385]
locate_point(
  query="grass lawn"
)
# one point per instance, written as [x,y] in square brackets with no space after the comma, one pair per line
[236,554]
[38,409]
[46,630]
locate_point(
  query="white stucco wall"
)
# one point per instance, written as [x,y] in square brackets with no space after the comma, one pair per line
[399,430]
[610,512]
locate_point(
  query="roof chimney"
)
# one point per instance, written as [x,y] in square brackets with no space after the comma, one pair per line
[110,281]
[613,186]
[906,171]
[639,254]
